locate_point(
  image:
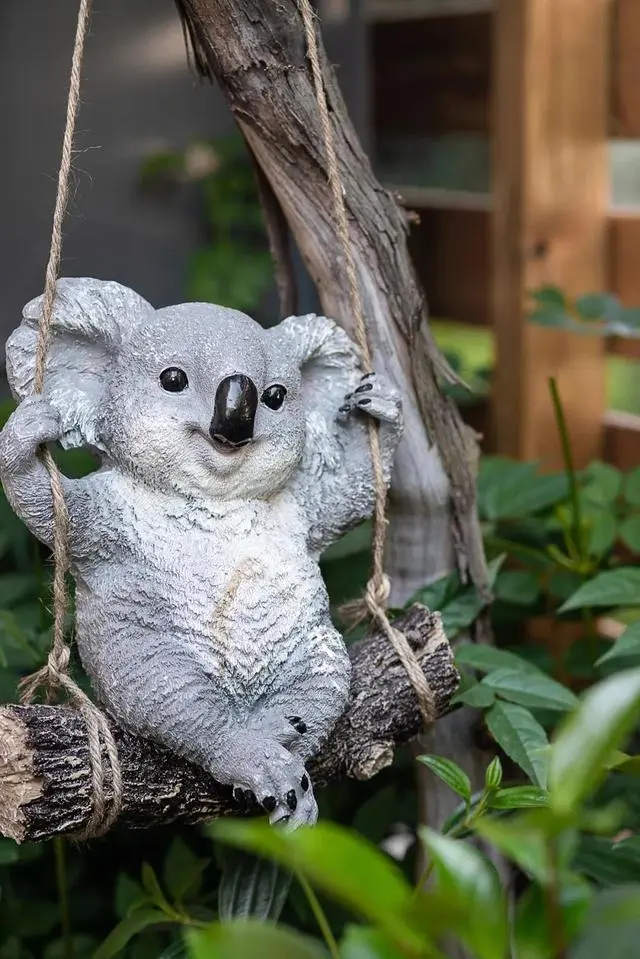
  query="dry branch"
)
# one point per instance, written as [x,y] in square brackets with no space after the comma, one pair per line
[44,763]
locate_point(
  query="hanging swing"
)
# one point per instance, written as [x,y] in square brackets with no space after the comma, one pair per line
[202,621]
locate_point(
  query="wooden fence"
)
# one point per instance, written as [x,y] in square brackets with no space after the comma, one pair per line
[548,83]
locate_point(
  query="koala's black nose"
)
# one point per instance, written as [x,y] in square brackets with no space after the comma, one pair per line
[234,411]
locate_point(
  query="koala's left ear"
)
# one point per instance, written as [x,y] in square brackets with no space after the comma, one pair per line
[328,359]
[90,321]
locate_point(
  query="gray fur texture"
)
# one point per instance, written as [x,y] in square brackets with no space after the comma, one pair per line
[202,618]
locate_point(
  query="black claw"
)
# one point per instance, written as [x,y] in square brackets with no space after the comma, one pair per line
[298,724]
[239,796]
[269,803]
[365,401]
[249,797]
[304,783]
[364,388]
[292,800]
[345,409]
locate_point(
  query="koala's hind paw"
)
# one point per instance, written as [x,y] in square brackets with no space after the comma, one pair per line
[373,398]
[278,781]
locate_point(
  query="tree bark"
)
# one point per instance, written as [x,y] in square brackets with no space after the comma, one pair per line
[45,781]
[256,52]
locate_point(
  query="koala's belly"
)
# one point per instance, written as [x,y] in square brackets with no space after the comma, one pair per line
[241,606]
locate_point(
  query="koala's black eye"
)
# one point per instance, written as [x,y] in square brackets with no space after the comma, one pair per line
[273,396]
[174,380]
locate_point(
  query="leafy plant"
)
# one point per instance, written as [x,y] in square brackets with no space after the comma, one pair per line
[600,314]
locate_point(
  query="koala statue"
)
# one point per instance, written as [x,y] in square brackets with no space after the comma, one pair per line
[231,456]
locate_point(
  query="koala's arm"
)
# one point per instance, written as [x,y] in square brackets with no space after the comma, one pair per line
[26,481]
[335,484]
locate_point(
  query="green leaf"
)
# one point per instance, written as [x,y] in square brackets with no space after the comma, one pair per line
[151,884]
[598,306]
[477,696]
[360,942]
[9,852]
[182,869]
[521,737]
[517,840]
[126,930]
[338,861]
[249,938]
[626,648]
[519,797]
[632,487]
[128,894]
[630,532]
[358,540]
[532,689]
[493,774]
[550,297]
[449,773]
[15,587]
[519,587]
[467,879]
[604,483]
[588,737]
[615,587]
[606,862]
[612,927]
[522,492]
[603,531]
[556,319]
[487,658]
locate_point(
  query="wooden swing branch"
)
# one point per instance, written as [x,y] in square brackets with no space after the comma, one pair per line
[45,776]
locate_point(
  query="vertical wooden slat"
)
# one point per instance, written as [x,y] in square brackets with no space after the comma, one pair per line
[550,199]
[625,86]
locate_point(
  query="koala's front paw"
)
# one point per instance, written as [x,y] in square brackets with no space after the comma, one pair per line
[278,781]
[375,399]
[34,422]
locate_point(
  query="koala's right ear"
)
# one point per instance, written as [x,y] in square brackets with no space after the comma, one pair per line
[91,319]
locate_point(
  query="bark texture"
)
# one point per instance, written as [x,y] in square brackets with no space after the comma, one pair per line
[45,787]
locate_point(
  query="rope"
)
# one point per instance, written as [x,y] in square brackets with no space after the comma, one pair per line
[376,595]
[54,675]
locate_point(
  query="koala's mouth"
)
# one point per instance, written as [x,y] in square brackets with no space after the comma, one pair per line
[226,447]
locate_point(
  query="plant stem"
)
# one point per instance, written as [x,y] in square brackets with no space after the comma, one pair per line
[63,895]
[554,911]
[567,457]
[320,917]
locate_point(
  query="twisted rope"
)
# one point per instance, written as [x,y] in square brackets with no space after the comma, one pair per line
[377,591]
[54,675]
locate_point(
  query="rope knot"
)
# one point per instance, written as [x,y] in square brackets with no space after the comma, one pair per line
[377,593]
[58,663]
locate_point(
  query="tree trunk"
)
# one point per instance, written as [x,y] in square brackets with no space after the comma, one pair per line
[45,777]
[256,52]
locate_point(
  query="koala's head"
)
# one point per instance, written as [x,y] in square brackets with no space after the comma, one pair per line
[194,398]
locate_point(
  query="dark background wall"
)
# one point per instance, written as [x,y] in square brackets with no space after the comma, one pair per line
[137,97]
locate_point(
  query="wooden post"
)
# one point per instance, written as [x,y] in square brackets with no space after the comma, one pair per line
[550,199]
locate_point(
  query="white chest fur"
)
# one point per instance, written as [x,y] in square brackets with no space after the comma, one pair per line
[234,579]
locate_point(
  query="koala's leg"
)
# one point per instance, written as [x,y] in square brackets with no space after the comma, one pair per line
[24,477]
[157,690]
[301,713]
